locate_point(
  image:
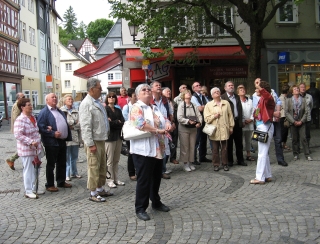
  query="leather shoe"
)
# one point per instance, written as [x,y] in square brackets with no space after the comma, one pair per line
[162,208]
[65,185]
[196,162]
[165,176]
[143,216]
[242,163]
[284,163]
[174,161]
[52,189]
[205,160]
[10,164]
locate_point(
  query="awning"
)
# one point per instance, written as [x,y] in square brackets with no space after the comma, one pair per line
[221,52]
[100,66]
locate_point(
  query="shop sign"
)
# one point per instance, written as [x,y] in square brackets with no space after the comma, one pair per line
[283,57]
[49,81]
[233,71]
[158,70]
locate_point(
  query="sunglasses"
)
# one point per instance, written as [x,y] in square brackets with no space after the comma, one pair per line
[145,89]
[184,87]
[112,97]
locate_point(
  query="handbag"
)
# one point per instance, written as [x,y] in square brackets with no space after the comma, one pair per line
[209,129]
[260,136]
[286,123]
[193,118]
[130,132]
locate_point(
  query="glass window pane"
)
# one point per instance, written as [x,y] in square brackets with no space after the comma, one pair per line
[281,68]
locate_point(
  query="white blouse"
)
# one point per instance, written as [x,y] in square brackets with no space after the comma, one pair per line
[247,110]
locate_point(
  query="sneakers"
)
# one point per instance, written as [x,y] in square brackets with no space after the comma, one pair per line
[31,195]
[168,171]
[216,168]
[10,164]
[112,185]
[295,158]
[119,183]
[76,176]
[68,179]
[186,167]
[40,192]
[226,168]
[309,158]
[97,198]
[192,167]
[104,193]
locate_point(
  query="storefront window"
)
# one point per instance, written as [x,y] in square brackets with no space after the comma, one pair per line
[296,74]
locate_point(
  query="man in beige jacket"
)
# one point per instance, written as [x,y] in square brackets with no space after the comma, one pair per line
[15,112]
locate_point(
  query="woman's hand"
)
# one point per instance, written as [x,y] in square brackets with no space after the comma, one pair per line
[231,131]
[198,125]
[34,144]
[192,122]
[257,83]
[217,116]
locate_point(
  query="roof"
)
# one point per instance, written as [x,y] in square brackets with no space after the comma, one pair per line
[77,55]
[76,43]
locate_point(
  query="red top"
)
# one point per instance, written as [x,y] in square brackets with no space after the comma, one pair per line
[266,106]
[122,101]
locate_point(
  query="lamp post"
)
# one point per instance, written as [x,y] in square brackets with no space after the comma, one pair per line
[133,32]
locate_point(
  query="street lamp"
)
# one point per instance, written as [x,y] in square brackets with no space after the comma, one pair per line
[133,32]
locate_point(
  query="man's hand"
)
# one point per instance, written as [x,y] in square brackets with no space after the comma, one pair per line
[201,108]
[198,125]
[257,83]
[93,149]
[277,114]
[57,134]
[231,131]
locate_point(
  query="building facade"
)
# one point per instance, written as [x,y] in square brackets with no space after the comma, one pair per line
[10,78]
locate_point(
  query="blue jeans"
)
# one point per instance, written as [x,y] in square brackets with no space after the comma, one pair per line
[72,157]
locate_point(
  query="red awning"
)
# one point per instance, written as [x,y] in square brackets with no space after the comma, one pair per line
[100,66]
[222,52]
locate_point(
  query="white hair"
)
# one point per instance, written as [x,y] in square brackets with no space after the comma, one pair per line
[214,89]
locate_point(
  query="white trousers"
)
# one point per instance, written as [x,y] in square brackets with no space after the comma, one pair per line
[28,173]
[263,170]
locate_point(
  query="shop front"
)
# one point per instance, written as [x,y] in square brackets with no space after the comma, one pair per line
[293,63]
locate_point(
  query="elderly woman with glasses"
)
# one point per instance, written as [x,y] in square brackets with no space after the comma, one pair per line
[247,110]
[114,141]
[148,153]
[28,144]
[218,112]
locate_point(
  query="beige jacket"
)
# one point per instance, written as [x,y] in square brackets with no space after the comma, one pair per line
[224,124]
[15,112]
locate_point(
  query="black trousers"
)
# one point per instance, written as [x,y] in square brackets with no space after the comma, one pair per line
[236,136]
[201,144]
[284,131]
[130,165]
[173,151]
[149,172]
[56,158]
[315,116]
[277,141]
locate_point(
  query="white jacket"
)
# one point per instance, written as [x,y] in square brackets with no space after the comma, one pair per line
[92,122]
[247,110]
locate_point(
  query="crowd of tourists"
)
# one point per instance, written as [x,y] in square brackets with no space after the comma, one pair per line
[60,129]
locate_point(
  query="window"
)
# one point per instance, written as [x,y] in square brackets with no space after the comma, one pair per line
[35,64]
[23,33]
[58,72]
[288,13]
[43,66]
[225,16]
[29,63]
[41,12]
[31,6]
[21,60]
[68,67]
[318,11]
[12,54]
[8,52]
[49,45]
[12,17]
[118,76]
[67,84]
[26,93]
[25,57]
[110,76]
[42,40]
[32,36]
[22,3]
[116,44]
[8,16]
[205,27]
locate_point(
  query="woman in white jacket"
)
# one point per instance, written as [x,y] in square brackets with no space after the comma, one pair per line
[247,109]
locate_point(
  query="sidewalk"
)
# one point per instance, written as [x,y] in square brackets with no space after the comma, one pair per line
[206,206]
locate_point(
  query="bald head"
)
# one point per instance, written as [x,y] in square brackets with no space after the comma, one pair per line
[51,100]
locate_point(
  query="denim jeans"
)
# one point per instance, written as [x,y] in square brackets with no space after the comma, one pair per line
[72,157]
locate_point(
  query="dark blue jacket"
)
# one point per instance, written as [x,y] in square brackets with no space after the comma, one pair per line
[45,119]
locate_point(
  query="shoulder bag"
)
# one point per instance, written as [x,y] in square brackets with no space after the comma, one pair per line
[209,129]
[193,118]
[260,136]
[130,132]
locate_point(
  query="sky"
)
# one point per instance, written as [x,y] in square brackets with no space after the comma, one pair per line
[85,10]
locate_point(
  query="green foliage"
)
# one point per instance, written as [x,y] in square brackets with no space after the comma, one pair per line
[98,28]
[64,37]
[82,31]
[70,22]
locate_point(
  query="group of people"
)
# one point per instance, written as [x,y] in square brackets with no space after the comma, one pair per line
[151,108]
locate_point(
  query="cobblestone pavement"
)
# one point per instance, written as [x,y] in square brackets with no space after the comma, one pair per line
[206,206]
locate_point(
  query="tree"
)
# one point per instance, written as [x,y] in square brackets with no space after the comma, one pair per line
[82,30]
[64,37]
[169,23]
[98,28]
[70,22]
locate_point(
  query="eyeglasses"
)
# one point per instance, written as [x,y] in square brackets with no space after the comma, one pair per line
[99,88]
[196,85]
[112,97]
[145,89]
[184,87]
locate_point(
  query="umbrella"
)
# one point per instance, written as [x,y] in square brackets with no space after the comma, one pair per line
[36,163]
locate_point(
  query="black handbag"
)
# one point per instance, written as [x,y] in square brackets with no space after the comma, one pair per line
[193,118]
[260,136]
